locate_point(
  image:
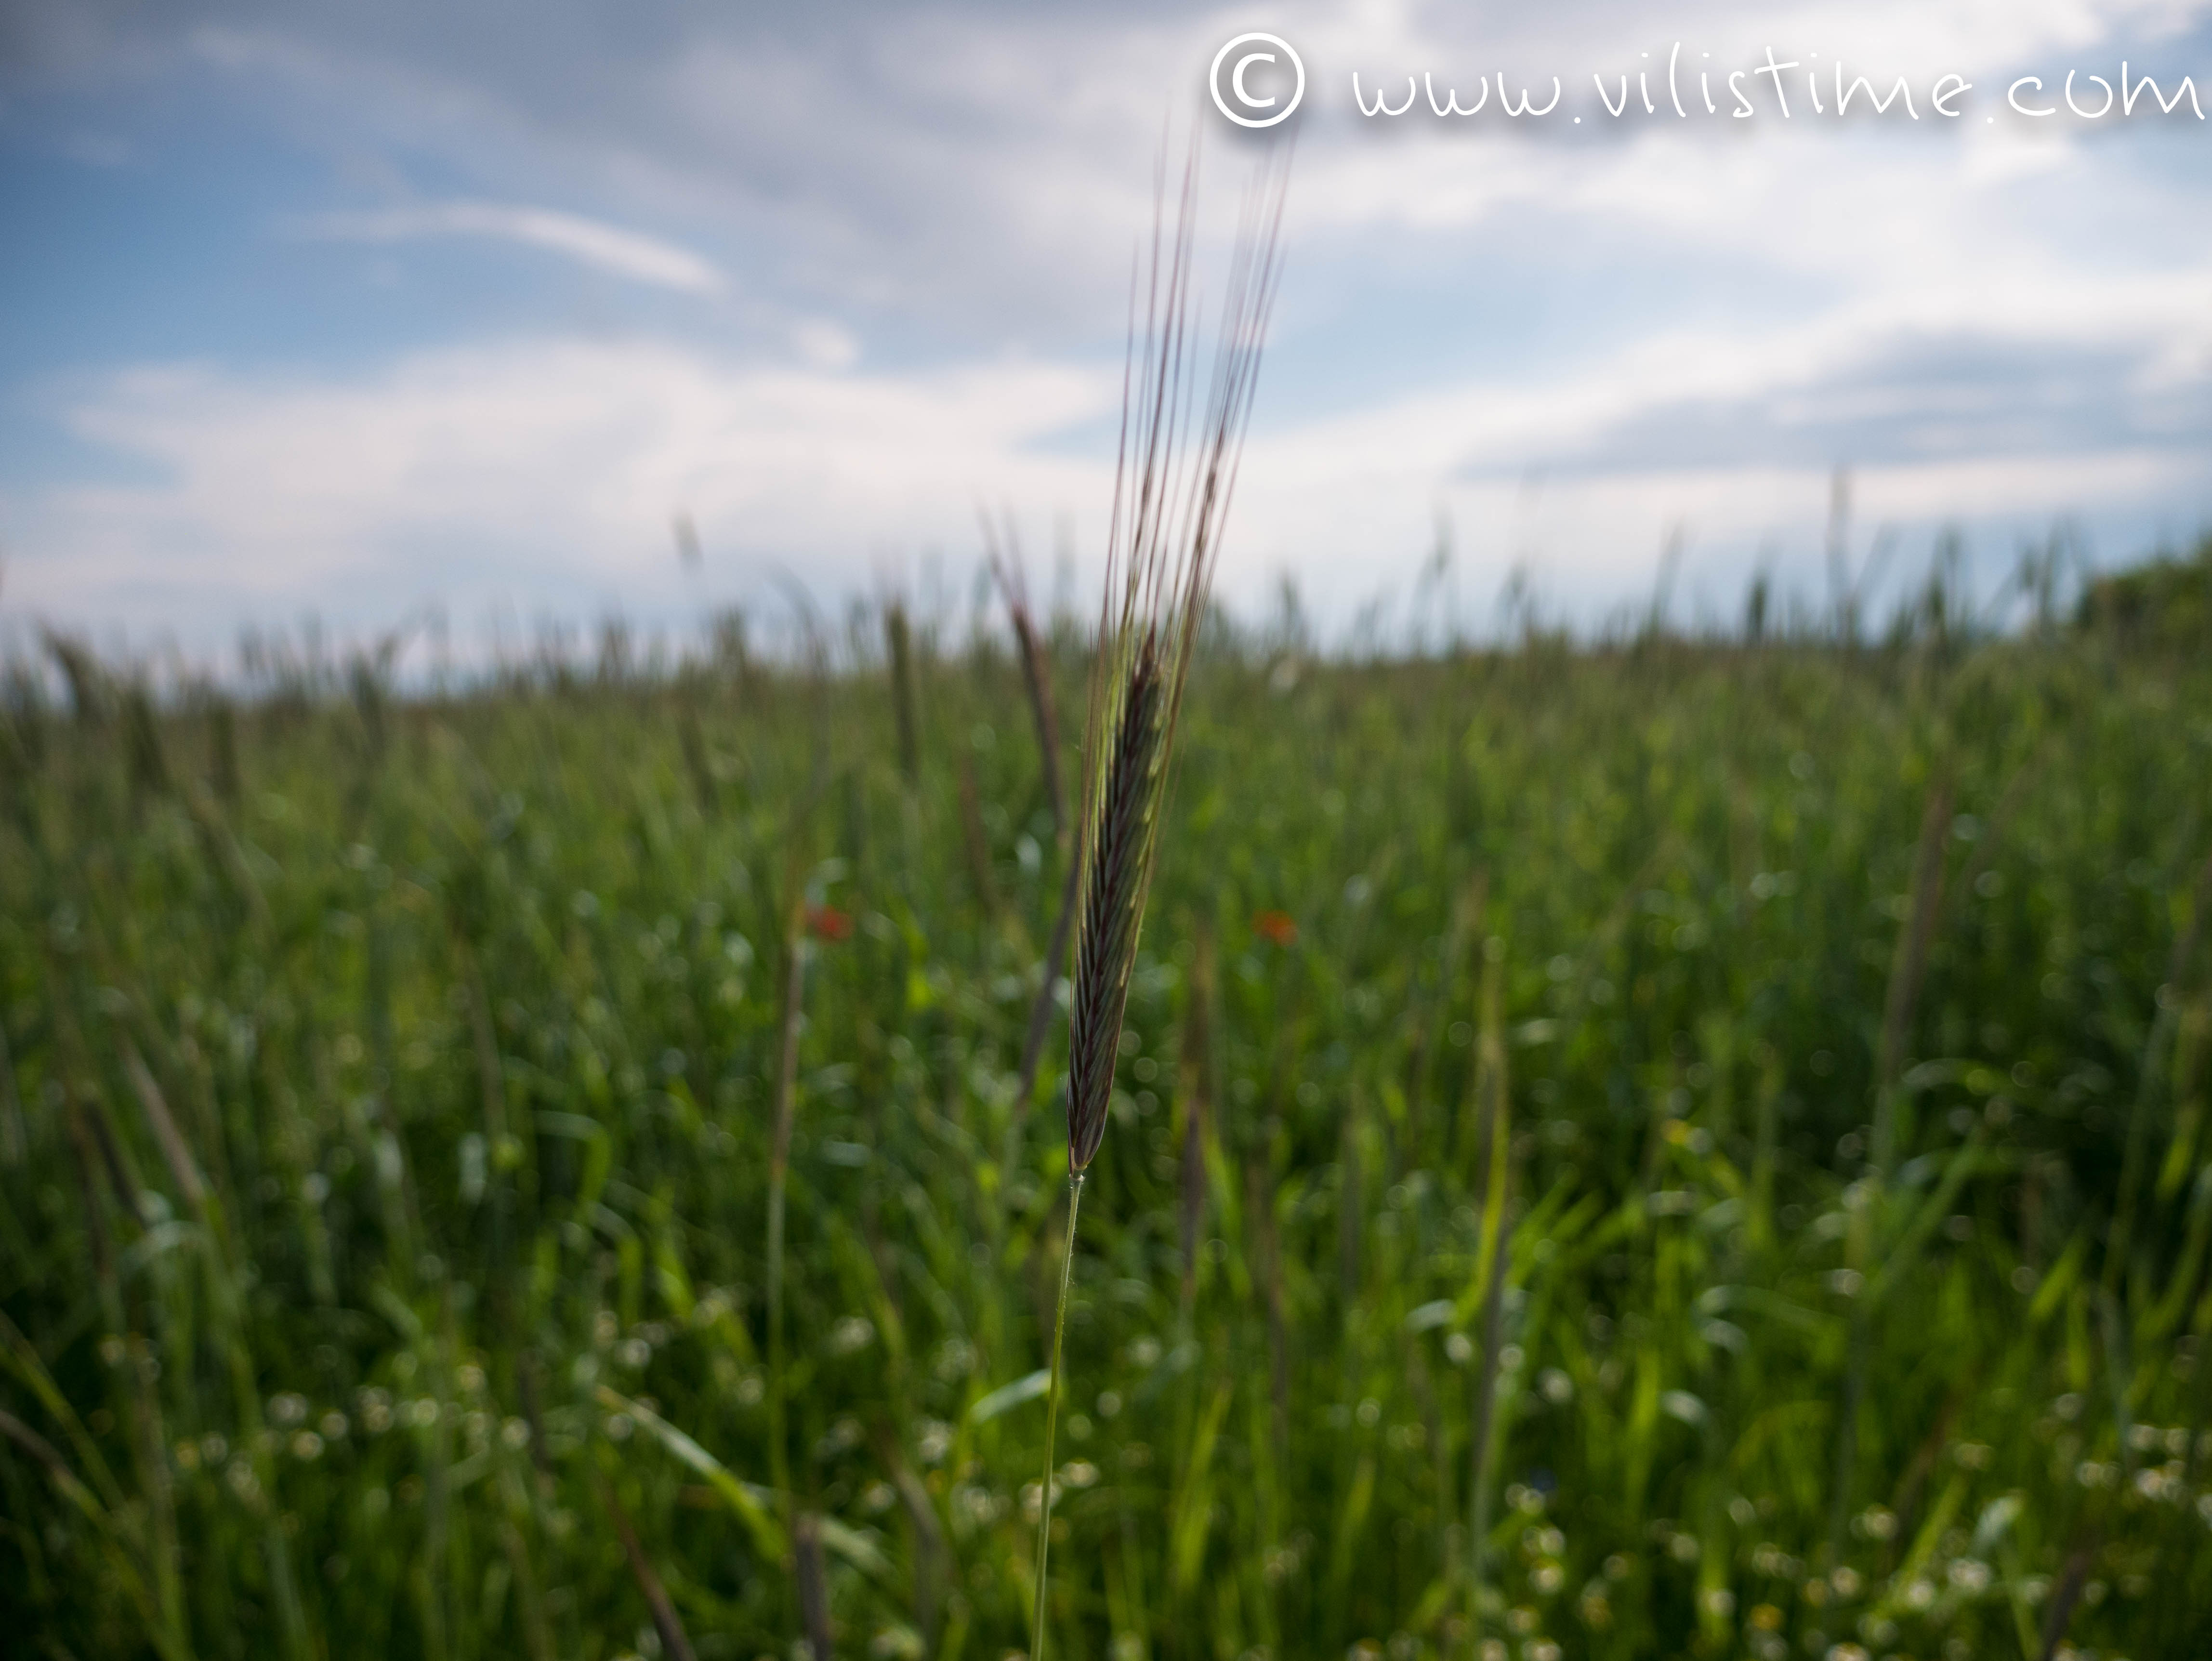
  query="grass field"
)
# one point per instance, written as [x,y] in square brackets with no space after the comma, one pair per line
[1672,1147]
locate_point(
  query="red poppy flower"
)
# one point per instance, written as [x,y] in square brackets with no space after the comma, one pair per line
[828,922]
[1275,928]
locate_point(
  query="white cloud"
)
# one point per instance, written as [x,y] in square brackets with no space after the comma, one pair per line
[641,258]
[543,473]
[539,472]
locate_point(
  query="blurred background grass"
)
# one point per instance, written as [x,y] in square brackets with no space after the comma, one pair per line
[1814,1025]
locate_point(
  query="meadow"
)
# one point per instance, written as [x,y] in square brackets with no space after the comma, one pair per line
[1650,1147]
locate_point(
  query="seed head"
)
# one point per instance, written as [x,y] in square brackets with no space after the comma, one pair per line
[1171,495]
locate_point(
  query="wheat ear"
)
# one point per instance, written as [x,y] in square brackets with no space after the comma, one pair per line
[1173,476]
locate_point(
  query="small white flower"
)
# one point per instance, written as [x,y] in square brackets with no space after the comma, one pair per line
[1970,1575]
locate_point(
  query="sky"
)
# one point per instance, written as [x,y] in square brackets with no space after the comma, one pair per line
[364,314]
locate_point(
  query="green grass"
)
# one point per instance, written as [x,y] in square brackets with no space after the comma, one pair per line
[386,1145]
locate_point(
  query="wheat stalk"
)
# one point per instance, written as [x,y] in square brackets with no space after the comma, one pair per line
[1174,476]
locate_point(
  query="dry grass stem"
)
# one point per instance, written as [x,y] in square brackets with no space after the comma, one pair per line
[674,1641]
[1036,667]
[813,1584]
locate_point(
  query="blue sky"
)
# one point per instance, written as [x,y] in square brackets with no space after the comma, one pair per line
[314,309]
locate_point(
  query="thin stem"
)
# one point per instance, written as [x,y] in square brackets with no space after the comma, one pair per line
[1482,1437]
[1871,1219]
[1055,959]
[1494,1143]
[779,1165]
[1052,1413]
